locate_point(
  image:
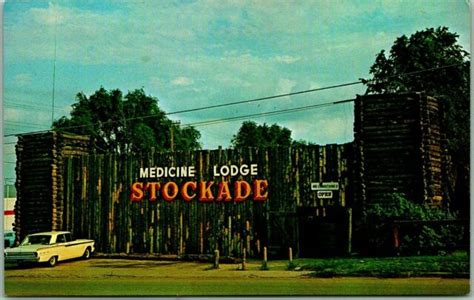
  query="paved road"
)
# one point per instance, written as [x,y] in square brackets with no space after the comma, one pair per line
[123,277]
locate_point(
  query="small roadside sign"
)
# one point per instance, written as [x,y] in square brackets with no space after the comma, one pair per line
[316,186]
[324,194]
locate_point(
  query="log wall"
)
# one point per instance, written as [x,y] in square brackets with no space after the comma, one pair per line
[98,206]
[400,148]
[39,179]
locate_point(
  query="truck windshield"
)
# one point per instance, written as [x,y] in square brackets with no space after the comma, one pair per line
[36,240]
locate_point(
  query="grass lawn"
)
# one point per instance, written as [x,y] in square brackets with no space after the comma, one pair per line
[452,265]
[349,276]
[238,285]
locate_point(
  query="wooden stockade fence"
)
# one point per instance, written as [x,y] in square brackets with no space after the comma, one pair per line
[399,147]
[97,201]
[63,187]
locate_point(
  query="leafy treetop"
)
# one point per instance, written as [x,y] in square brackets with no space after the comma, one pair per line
[449,81]
[251,134]
[133,123]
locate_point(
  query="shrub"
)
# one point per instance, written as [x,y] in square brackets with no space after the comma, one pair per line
[414,238]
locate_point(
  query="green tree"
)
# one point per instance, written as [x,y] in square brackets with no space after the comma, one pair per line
[133,123]
[428,49]
[251,134]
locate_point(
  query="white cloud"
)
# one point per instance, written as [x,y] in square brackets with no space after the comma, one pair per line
[235,81]
[183,81]
[22,79]
[145,32]
[285,86]
[287,59]
[155,82]
[13,114]
[64,110]
[323,128]
[54,15]
[233,50]
[19,120]
[314,85]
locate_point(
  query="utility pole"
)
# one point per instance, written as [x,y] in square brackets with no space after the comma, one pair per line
[174,125]
[54,63]
[172,136]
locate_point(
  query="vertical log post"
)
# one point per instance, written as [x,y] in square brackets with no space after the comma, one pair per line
[396,238]
[247,237]
[244,256]
[201,238]
[291,265]
[349,230]
[264,263]
[216,259]
[181,233]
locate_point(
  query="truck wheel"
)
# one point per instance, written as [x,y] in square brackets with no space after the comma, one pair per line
[52,261]
[87,253]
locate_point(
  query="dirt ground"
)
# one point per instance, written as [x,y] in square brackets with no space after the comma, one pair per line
[107,277]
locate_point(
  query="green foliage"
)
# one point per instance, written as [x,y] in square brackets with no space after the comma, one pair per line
[251,134]
[129,124]
[264,266]
[428,49]
[414,239]
[455,265]
[299,143]
[291,265]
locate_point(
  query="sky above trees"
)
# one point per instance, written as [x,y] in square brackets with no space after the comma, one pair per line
[197,53]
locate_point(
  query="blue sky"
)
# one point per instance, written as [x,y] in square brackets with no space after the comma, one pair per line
[196,53]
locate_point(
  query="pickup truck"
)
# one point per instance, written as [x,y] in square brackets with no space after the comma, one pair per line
[49,247]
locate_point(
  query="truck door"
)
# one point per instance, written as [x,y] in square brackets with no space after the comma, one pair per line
[62,250]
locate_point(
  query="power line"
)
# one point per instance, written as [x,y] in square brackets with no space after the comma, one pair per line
[264,98]
[283,111]
[26,105]
[223,120]
[30,127]
[219,105]
[25,123]
[277,112]
[361,81]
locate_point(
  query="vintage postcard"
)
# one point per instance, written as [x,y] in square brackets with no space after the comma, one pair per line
[236,148]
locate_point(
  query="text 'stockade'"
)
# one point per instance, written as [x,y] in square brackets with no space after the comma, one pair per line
[227,184]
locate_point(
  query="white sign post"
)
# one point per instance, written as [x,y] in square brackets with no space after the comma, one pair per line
[316,186]
[324,194]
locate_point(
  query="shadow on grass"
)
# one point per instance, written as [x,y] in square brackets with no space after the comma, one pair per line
[32,265]
[134,265]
